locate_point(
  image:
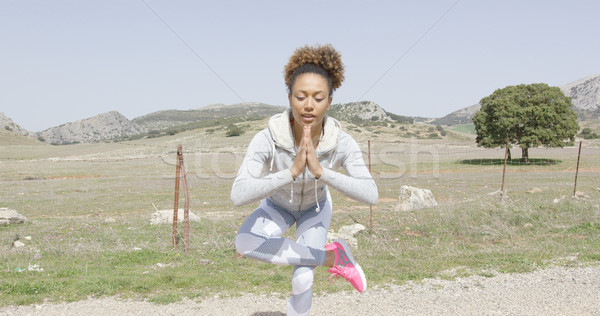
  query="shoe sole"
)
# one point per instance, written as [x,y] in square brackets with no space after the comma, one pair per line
[356,265]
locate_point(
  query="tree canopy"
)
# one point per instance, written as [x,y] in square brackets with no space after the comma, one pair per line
[529,115]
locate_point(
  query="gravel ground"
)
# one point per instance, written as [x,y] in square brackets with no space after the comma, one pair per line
[554,291]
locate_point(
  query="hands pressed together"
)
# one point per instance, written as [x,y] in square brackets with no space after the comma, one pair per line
[306,156]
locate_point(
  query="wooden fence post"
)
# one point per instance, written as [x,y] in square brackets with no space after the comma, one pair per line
[577,171]
[370,206]
[504,170]
[176,206]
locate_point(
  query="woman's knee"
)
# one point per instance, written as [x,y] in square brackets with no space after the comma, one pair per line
[302,279]
[246,242]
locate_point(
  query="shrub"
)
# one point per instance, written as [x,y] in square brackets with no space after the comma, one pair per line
[587,133]
[233,130]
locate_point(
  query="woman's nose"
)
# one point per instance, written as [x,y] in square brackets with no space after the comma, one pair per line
[309,103]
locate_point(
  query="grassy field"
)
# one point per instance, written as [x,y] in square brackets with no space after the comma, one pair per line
[71,194]
[464,128]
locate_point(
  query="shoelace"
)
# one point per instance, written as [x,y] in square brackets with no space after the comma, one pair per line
[337,272]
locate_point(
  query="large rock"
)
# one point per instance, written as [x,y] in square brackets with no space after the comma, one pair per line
[9,217]
[6,123]
[347,233]
[412,198]
[106,126]
[166,217]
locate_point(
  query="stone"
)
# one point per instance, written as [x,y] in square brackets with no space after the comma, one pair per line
[18,244]
[166,217]
[557,200]
[110,220]
[11,217]
[412,198]
[347,233]
[535,190]
[580,195]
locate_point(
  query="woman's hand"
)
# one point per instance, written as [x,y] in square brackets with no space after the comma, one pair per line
[300,160]
[306,156]
[311,155]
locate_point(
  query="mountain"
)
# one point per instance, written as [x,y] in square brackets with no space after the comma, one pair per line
[169,118]
[364,112]
[6,123]
[585,94]
[462,116]
[106,126]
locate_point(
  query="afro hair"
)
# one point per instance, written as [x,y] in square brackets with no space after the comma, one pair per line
[322,56]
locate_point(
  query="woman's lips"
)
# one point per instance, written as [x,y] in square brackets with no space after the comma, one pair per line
[308,118]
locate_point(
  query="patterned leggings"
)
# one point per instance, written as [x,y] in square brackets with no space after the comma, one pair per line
[260,238]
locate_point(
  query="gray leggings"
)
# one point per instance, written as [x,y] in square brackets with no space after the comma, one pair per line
[260,238]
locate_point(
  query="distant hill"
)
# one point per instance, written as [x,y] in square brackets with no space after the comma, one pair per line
[106,126]
[115,126]
[364,112]
[585,94]
[7,124]
[462,116]
[161,120]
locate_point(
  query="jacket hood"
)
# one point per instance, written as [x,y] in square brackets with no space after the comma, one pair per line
[281,132]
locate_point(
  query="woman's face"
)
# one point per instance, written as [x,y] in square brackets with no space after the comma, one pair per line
[309,99]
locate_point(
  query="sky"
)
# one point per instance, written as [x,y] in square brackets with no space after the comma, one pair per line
[62,61]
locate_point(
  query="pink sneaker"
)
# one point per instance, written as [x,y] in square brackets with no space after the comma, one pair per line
[345,266]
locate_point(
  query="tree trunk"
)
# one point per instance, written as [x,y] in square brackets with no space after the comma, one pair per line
[509,155]
[525,154]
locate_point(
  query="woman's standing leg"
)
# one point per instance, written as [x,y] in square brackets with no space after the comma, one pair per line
[312,232]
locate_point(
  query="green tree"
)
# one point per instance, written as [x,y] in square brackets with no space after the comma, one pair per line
[529,115]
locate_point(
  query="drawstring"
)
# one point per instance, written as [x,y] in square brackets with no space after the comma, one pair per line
[316,198]
[332,157]
[292,192]
[272,158]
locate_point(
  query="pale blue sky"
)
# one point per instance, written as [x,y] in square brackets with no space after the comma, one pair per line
[66,60]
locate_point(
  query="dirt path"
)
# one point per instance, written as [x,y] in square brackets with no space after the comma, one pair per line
[554,291]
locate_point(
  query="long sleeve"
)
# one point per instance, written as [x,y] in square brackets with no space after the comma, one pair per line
[250,185]
[357,184]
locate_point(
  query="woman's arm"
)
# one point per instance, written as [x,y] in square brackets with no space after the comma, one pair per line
[249,184]
[358,183]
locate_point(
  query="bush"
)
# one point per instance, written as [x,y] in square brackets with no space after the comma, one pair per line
[587,133]
[233,130]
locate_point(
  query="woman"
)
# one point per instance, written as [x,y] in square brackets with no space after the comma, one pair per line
[289,167]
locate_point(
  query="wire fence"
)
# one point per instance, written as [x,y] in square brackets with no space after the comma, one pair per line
[135,173]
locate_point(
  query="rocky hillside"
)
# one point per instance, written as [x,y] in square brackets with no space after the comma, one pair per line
[6,123]
[462,116]
[161,120]
[107,126]
[585,94]
[364,112]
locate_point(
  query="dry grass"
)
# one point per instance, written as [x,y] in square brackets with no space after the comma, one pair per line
[68,192]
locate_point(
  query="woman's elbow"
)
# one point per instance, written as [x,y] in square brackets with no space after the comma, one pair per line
[373,196]
[236,198]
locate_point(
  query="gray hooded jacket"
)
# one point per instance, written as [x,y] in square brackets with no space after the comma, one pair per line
[265,170]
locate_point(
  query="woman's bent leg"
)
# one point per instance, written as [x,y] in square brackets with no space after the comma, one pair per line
[260,238]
